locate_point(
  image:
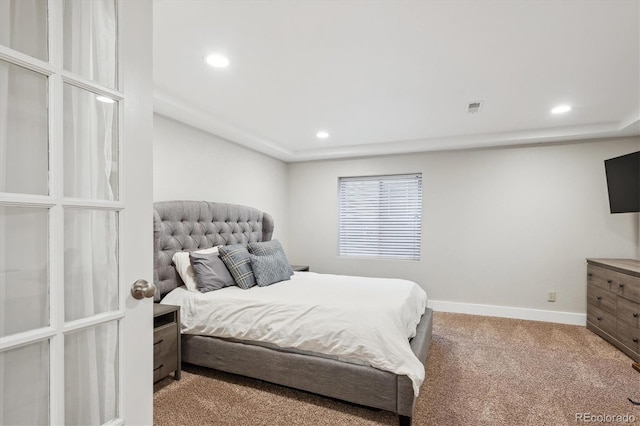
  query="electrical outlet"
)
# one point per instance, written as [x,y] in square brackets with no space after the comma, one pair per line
[552,296]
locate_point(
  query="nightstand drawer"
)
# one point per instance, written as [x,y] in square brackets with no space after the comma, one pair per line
[165,346]
[162,371]
[601,298]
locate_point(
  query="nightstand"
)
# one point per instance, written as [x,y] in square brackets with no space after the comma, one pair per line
[166,341]
[300,268]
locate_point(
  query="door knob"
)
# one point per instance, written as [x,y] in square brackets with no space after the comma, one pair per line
[142,288]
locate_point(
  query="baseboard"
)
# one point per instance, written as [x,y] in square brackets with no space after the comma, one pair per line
[509,312]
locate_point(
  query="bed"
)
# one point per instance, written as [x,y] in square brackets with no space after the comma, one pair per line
[196,225]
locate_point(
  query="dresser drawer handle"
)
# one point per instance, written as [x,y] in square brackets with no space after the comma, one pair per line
[609,281]
[635,340]
[158,342]
[599,298]
[590,274]
[159,367]
[635,315]
[599,318]
[621,285]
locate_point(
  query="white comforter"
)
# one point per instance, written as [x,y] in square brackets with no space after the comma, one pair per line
[353,319]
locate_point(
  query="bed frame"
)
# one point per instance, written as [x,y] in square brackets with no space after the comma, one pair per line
[194,225]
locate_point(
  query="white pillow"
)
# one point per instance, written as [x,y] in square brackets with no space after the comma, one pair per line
[183,266]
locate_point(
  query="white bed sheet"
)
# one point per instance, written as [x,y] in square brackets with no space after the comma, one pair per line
[354,319]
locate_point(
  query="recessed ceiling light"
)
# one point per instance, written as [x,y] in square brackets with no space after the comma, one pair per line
[216,60]
[561,109]
[105,99]
[322,135]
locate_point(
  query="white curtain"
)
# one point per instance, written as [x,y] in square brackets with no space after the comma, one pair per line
[90,169]
[91,268]
[24,383]
[89,39]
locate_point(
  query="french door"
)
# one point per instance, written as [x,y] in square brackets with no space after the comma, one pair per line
[75,211]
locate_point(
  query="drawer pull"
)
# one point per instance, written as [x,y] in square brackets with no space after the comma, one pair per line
[159,341]
[159,367]
[635,340]
[621,285]
[599,298]
[609,281]
[590,274]
[635,315]
[599,318]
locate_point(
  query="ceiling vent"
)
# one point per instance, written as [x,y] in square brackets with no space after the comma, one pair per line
[474,107]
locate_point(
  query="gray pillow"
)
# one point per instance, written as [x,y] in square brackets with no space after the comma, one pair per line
[210,272]
[267,248]
[236,259]
[270,269]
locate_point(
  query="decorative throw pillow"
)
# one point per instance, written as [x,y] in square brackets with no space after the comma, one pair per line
[266,248]
[210,272]
[184,268]
[270,269]
[236,259]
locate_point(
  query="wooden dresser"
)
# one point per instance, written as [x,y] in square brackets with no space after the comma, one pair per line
[613,302]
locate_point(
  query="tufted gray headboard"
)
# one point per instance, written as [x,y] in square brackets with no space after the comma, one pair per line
[196,225]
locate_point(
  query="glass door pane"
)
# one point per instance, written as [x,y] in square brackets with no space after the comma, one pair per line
[23,26]
[90,40]
[24,134]
[24,385]
[90,145]
[24,272]
[60,211]
[91,375]
[90,262]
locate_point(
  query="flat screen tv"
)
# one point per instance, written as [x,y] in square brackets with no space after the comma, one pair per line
[623,182]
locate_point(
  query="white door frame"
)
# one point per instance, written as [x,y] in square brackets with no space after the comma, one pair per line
[137,227]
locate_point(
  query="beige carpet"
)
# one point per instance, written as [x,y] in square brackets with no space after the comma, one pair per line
[480,371]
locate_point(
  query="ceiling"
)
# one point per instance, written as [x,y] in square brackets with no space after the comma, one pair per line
[388,77]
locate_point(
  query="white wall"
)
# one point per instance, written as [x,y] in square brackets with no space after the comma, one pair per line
[500,226]
[189,164]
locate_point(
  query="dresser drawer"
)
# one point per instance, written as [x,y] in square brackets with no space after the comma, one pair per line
[627,286]
[628,311]
[165,347]
[602,319]
[617,322]
[601,298]
[629,335]
[600,277]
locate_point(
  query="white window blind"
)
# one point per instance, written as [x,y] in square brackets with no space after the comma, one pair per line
[381,216]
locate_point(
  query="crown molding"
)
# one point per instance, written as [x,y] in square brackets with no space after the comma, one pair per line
[169,106]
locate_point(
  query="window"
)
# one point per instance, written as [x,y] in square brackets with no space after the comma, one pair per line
[380,216]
